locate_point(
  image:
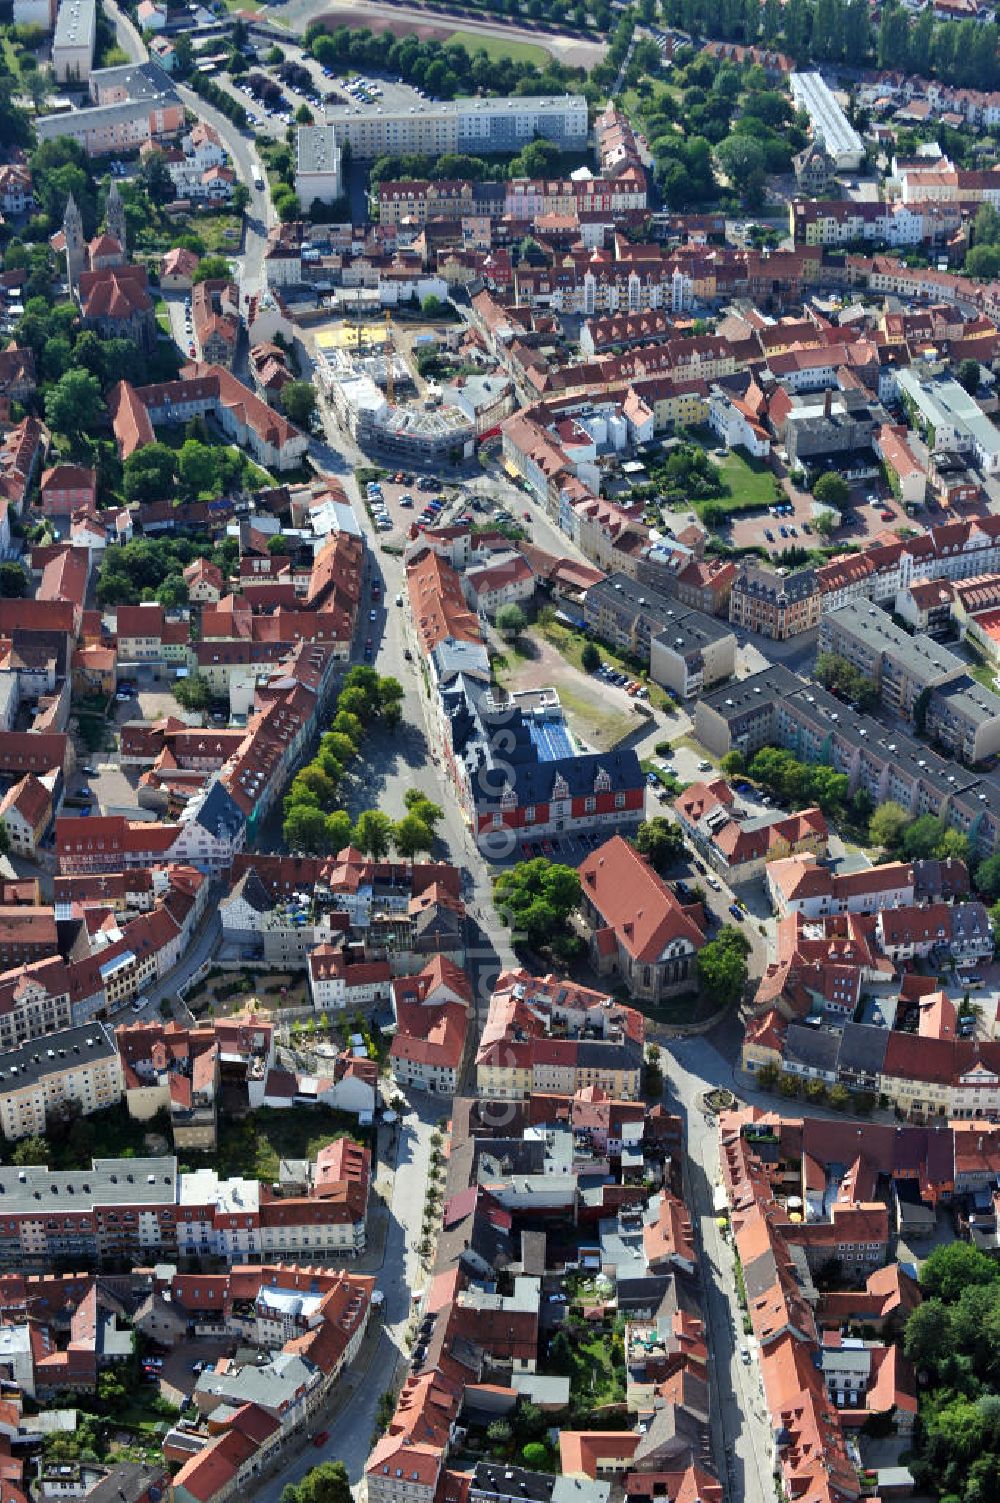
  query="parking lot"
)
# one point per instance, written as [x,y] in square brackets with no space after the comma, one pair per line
[791,523]
[324,89]
[405,498]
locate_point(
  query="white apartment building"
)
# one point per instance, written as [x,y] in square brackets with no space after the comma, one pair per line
[78,1065]
[465,125]
[74,41]
[318,165]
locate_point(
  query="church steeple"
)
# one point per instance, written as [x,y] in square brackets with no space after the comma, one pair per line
[114,214]
[76,249]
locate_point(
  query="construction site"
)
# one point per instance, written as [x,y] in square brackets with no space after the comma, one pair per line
[374,391]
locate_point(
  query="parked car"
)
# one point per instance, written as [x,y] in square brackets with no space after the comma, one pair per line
[321,1438]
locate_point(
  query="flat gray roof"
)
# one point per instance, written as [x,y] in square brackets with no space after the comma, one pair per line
[875,628]
[108,1182]
[76,24]
[54,1053]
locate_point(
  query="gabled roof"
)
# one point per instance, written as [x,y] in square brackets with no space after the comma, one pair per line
[635,903]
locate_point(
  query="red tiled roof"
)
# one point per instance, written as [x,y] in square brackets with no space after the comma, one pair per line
[636,903]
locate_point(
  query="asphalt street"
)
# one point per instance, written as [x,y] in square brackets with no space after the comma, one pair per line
[408,759]
[350,1419]
[741,1436]
[260,211]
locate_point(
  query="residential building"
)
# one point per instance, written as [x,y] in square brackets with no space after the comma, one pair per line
[432,1011]
[546,1034]
[776,605]
[903,668]
[75,1068]
[131,104]
[243,416]
[26,813]
[462,125]
[318,173]
[67,487]
[686,650]
[74,40]
[827,121]
[741,848]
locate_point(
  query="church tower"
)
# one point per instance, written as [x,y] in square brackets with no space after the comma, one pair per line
[76,247]
[114,213]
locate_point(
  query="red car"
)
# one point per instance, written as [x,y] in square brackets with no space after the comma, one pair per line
[322,1438]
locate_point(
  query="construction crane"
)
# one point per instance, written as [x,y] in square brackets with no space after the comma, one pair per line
[390,378]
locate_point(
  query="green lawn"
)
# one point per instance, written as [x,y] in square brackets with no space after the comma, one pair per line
[632,101]
[595,1365]
[497,47]
[219,233]
[750,482]
[675,1012]
[255,1146]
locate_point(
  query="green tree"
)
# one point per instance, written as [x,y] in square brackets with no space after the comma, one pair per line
[74,406]
[893,37]
[298,402]
[326,1483]
[511,620]
[953,846]
[30,1151]
[411,835]
[969,375]
[149,474]
[590,658]
[197,468]
[742,159]
[432,307]
[304,115]
[535,1454]
[373,833]
[193,692]
[212,269]
[734,763]
[722,967]
[313,780]
[986,225]
[419,804]
[286,204]
[172,592]
[922,837]
[832,490]
[112,1394]
[983,262]
[338,830]
[887,825]
[988,878]
[955,1266]
[660,841]
[304,829]
[537,897]
[339,746]
[826,524]
[13,582]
